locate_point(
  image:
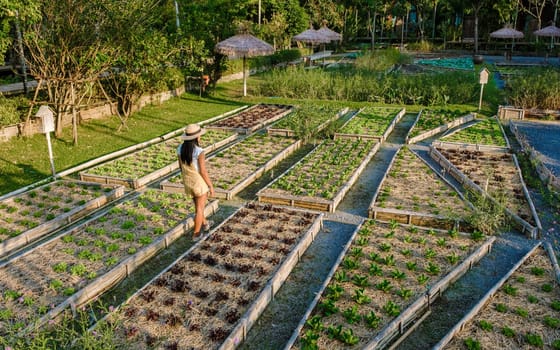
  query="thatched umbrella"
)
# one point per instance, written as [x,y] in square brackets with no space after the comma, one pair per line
[244,45]
[329,33]
[311,36]
[551,31]
[507,33]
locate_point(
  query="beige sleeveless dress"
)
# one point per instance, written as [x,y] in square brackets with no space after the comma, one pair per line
[193,182]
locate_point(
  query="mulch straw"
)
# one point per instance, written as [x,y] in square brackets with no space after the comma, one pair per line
[534,321]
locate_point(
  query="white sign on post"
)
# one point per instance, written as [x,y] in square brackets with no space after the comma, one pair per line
[483,79]
[47,124]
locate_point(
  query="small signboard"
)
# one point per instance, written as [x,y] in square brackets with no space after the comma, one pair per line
[484,76]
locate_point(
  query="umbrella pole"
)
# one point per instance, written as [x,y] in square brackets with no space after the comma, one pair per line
[244,79]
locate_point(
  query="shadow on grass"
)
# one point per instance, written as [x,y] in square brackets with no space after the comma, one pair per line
[15,176]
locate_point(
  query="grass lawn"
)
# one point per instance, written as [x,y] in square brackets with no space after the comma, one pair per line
[25,160]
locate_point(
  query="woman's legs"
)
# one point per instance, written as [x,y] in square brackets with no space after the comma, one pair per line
[199,219]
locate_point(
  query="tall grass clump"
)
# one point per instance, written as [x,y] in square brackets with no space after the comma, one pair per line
[363,85]
[535,88]
[381,60]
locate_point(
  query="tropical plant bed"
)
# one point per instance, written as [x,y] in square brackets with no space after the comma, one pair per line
[493,173]
[253,118]
[413,193]
[238,166]
[321,179]
[371,123]
[39,211]
[211,296]
[487,132]
[73,268]
[430,122]
[522,311]
[306,119]
[137,169]
[385,278]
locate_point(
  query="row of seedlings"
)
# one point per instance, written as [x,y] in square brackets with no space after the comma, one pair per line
[80,264]
[252,118]
[487,133]
[491,173]
[306,119]
[411,192]
[522,311]
[236,167]
[385,279]
[139,168]
[37,212]
[430,122]
[323,177]
[211,296]
[374,123]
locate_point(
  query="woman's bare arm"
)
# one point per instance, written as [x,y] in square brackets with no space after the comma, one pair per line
[204,172]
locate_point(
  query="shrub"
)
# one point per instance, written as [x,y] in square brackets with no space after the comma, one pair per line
[12,110]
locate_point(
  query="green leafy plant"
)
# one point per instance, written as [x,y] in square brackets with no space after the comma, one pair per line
[315,323]
[510,290]
[522,312]
[334,292]
[60,267]
[422,279]
[341,276]
[351,314]
[397,274]
[328,307]
[534,339]
[375,270]
[552,322]
[508,332]
[384,286]
[347,337]
[350,264]
[432,268]
[391,309]
[372,320]
[360,297]
[360,280]
[404,293]
[309,340]
[546,288]
[485,325]
[501,307]
[472,344]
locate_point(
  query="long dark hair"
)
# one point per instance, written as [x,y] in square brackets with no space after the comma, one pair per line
[187,149]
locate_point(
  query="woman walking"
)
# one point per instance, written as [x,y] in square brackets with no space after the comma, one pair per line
[195,177]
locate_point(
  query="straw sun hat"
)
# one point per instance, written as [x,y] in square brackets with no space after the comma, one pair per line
[192,132]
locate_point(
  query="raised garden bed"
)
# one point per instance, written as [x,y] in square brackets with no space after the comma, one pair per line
[413,193]
[252,119]
[37,212]
[321,179]
[137,169]
[241,164]
[488,132]
[385,278]
[306,119]
[371,123]
[73,268]
[430,122]
[489,173]
[211,295]
[522,311]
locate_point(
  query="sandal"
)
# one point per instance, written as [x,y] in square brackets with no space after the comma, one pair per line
[208,225]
